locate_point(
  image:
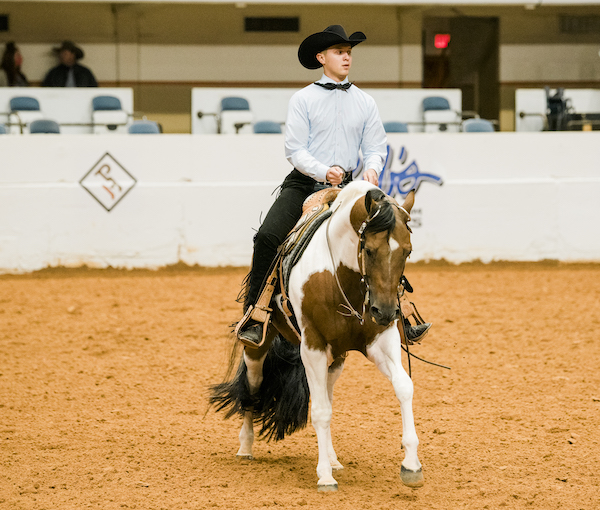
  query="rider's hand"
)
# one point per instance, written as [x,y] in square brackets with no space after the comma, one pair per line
[371,176]
[335,175]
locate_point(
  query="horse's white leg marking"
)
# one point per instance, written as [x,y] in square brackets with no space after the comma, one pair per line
[316,366]
[255,377]
[246,437]
[332,377]
[386,352]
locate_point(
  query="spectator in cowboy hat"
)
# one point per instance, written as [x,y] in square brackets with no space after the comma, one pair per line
[69,73]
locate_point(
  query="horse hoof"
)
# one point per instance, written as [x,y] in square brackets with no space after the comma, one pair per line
[412,479]
[327,487]
[244,457]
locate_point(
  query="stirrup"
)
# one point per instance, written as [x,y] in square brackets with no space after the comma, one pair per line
[253,313]
[409,310]
[260,312]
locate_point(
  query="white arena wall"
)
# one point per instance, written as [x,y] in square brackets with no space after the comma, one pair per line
[198,198]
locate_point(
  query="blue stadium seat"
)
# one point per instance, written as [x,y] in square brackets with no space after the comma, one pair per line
[267,127]
[44,126]
[106,103]
[24,103]
[477,126]
[438,117]
[435,103]
[395,127]
[144,127]
[24,110]
[108,115]
[234,103]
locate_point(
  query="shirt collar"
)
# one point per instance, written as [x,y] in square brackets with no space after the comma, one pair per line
[327,79]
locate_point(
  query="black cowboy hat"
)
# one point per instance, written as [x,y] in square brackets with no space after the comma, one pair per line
[72,47]
[315,43]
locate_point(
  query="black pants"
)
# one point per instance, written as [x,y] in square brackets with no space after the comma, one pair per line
[280,220]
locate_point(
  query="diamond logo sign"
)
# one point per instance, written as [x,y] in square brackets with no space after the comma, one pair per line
[108,182]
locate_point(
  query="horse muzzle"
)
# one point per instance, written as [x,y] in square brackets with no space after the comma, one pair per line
[384,315]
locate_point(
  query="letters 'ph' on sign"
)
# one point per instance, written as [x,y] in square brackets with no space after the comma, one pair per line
[108,182]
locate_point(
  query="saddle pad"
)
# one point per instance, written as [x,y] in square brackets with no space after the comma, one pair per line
[298,240]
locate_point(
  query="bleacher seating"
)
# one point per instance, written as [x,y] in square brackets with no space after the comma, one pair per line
[108,115]
[235,114]
[395,127]
[477,126]
[267,127]
[144,127]
[438,116]
[44,126]
[23,111]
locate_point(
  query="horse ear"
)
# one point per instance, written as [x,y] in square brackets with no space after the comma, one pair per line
[409,201]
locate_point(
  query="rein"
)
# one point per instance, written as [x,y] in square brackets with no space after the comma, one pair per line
[348,306]
[351,311]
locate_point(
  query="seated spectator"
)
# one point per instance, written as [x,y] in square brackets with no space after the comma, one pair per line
[69,73]
[12,60]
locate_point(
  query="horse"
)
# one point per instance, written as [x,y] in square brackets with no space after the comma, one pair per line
[345,292]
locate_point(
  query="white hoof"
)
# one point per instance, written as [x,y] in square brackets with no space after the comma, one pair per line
[242,457]
[327,487]
[327,483]
[412,479]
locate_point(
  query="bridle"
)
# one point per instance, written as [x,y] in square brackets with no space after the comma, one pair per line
[347,309]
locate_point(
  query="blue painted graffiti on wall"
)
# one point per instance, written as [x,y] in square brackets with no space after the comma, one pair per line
[409,177]
[397,182]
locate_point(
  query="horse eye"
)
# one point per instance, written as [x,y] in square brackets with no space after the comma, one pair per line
[368,252]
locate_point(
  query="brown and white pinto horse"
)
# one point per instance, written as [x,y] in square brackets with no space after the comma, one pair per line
[345,294]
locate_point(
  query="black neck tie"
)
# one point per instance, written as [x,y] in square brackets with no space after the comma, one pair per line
[333,86]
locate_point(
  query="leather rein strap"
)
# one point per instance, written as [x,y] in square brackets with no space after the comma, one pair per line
[350,310]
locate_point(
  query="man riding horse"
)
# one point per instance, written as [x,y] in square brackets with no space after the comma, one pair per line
[328,122]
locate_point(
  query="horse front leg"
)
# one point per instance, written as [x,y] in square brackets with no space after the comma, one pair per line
[386,354]
[316,366]
[334,372]
[254,365]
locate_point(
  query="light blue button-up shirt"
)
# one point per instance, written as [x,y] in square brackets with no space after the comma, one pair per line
[328,127]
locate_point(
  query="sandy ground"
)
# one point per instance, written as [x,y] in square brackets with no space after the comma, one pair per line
[104,374]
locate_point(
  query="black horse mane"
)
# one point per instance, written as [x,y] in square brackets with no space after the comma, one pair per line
[386,219]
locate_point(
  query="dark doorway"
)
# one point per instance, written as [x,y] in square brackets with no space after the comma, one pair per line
[462,52]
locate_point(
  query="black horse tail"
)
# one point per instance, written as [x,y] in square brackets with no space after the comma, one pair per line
[281,404]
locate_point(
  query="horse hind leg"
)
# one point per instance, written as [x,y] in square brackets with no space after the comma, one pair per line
[386,354]
[254,375]
[316,366]
[334,372]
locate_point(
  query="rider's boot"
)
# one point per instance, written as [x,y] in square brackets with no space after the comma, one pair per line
[414,334]
[251,332]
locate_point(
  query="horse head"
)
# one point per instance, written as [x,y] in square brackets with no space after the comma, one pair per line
[384,245]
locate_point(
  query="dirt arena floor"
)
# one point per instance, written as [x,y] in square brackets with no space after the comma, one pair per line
[104,374]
